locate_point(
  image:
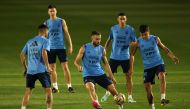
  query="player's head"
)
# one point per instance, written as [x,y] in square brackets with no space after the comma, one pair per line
[43,30]
[144,30]
[52,11]
[96,38]
[122,19]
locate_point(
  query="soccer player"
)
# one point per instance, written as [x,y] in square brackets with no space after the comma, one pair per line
[121,35]
[58,32]
[38,67]
[153,63]
[92,54]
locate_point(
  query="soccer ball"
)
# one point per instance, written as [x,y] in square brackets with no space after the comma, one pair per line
[119,99]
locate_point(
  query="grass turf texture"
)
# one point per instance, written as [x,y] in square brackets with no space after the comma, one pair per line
[167,19]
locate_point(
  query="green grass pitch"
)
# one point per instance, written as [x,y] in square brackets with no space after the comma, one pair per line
[169,19]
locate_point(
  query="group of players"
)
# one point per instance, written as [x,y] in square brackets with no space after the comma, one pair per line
[42,50]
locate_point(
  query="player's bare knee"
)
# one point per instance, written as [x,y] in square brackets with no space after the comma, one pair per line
[91,88]
[148,88]
[162,76]
[53,67]
[64,65]
[28,92]
[66,69]
[110,87]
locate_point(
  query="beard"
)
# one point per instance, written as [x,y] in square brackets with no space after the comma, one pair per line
[96,44]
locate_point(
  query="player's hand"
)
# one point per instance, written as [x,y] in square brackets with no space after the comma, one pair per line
[175,59]
[70,50]
[79,68]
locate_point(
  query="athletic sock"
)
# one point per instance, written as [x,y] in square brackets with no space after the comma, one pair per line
[108,93]
[55,85]
[23,107]
[69,85]
[130,97]
[152,106]
[163,96]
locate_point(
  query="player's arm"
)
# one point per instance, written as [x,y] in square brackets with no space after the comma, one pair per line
[45,59]
[134,48]
[109,40]
[133,39]
[107,67]
[107,43]
[23,61]
[78,58]
[67,36]
[169,52]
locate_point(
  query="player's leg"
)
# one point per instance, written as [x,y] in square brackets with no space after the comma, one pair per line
[44,79]
[49,98]
[105,96]
[129,87]
[160,69]
[92,92]
[52,63]
[163,88]
[113,65]
[125,66]
[104,82]
[55,88]
[26,98]
[67,76]
[30,84]
[162,84]
[111,88]
[64,64]
[149,80]
[149,93]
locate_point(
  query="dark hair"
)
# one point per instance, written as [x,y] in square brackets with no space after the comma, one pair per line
[95,33]
[121,14]
[143,28]
[42,27]
[51,6]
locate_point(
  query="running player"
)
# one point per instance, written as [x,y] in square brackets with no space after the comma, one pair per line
[38,66]
[153,63]
[92,54]
[58,32]
[121,35]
